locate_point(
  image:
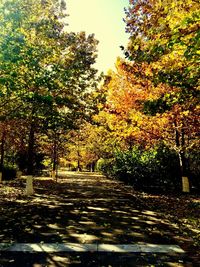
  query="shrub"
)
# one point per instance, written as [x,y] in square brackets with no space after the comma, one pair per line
[156,168]
[128,166]
[106,166]
[194,169]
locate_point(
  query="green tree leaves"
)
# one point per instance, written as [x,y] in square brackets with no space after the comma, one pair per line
[46,73]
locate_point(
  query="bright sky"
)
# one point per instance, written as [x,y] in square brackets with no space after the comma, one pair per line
[104,18]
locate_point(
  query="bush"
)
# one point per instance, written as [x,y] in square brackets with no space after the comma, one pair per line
[162,167]
[106,166]
[157,168]
[128,166]
[194,169]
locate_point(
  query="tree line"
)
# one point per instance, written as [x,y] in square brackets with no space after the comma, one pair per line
[149,111]
[46,79]
[141,124]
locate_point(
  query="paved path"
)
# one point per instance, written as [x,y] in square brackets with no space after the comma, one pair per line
[86,220]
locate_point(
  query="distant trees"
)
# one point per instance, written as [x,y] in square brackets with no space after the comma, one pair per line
[144,115]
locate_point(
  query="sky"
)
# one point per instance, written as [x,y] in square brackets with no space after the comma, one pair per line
[104,18]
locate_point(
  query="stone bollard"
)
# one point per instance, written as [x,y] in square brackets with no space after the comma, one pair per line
[0,177]
[29,185]
[185,184]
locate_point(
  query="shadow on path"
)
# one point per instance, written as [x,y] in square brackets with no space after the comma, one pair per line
[83,208]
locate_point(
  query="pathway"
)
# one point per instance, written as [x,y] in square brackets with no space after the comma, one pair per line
[86,220]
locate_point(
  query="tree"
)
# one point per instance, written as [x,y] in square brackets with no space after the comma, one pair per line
[45,72]
[135,113]
[164,38]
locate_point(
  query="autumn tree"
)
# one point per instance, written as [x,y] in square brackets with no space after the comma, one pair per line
[163,48]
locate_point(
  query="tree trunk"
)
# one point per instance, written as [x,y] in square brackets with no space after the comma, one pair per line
[78,158]
[180,144]
[54,156]
[54,167]
[92,167]
[78,162]
[3,139]
[31,144]
[184,172]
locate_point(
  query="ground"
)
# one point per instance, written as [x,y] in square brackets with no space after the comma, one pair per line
[88,208]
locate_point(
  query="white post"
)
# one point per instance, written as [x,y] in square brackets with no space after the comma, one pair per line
[0,177]
[29,185]
[185,184]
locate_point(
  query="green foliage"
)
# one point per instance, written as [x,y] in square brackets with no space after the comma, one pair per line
[47,73]
[106,166]
[128,166]
[166,35]
[22,161]
[194,166]
[151,107]
[145,169]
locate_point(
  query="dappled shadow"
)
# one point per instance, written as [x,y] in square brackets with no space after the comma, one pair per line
[89,259]
[83,208]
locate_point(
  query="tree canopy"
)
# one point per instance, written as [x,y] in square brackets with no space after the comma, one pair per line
[46,72]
